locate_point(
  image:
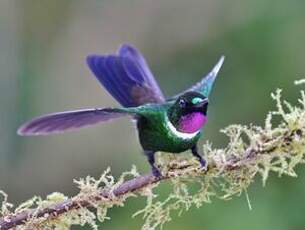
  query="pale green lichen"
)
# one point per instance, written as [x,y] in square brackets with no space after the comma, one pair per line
[89,191]
[252,150]
[5,205]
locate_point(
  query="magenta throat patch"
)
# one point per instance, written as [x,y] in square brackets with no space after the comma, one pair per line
[192,122]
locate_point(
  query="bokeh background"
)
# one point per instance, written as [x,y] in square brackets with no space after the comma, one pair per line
[43,45]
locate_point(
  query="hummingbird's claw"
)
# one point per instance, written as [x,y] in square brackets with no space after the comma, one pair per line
[151,159]
[203,163]
[156,172]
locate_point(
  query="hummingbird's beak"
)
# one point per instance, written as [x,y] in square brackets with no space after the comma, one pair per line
[202,104]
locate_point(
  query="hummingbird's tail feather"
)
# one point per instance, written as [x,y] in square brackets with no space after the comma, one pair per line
[64,121]
[126,76]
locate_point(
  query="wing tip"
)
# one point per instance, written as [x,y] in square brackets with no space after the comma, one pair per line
[90,59]
[123,50]
[127,48]
[21,131]
[25,131]
[218,65]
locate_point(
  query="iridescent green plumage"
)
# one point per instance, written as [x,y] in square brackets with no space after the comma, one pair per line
[155,133]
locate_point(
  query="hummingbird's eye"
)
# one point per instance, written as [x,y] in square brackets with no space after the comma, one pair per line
[182,103]
[197,100]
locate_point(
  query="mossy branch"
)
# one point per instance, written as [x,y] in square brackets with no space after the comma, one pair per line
[129,186]
[252,150]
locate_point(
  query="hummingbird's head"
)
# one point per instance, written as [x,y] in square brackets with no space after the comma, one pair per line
[189,112]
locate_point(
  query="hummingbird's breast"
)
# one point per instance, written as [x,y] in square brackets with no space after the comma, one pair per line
[157,133]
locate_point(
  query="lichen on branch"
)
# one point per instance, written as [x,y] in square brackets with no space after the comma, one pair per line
[252,150]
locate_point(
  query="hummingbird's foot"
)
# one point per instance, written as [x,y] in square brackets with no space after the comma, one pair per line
[151,159]
[156,172]
[202,161]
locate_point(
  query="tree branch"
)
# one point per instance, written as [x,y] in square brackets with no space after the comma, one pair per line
[8,222]
[132,185]
[126,187]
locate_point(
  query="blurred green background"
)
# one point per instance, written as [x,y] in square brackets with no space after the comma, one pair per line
[43,46]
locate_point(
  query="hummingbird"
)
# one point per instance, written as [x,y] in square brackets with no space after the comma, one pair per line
[171,124]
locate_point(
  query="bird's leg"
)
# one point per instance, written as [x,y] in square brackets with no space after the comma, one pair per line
[198,156]
[151,159]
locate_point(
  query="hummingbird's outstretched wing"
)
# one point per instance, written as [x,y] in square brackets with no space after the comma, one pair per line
[205,85]
[126,76]
[60,122]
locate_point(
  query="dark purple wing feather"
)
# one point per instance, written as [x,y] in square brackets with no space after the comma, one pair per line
[126,76]
[60,122]
[141,67]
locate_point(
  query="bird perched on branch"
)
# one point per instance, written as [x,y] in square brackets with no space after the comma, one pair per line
[170,125]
